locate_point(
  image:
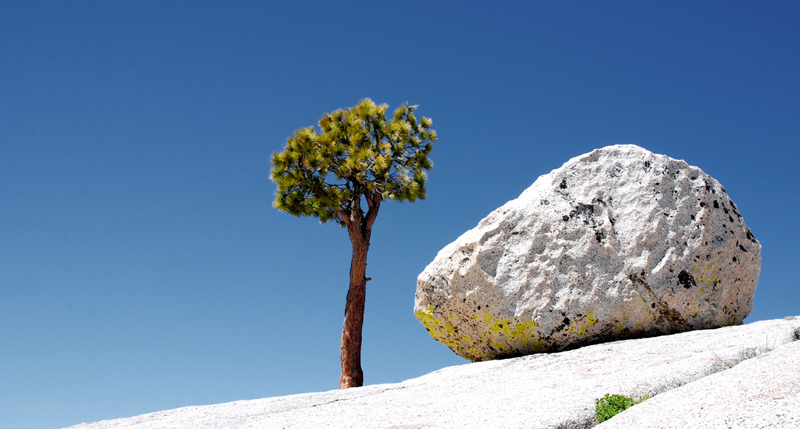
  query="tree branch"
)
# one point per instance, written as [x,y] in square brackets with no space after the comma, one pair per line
[374,203]
[341,215]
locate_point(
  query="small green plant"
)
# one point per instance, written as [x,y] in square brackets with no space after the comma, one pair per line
[611,405]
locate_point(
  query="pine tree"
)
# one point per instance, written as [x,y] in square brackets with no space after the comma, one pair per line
[358,157]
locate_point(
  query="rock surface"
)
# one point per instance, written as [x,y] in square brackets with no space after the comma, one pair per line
[763,392]
[555,390]
[617,243]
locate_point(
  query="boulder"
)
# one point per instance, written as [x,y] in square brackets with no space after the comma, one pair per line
[544,391]
[617,243]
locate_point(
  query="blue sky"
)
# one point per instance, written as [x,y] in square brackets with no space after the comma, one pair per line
[142,266]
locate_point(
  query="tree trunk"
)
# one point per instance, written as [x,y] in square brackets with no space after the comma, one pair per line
[352,375]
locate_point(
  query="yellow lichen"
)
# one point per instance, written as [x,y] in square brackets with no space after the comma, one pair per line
[503,336]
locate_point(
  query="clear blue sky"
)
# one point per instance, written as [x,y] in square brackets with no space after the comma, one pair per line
[142,266]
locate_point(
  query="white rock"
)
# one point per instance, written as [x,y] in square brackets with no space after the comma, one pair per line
[617,243]
[555,390]
[760,393]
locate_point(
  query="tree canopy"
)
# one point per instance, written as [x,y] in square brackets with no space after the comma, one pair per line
[357,153]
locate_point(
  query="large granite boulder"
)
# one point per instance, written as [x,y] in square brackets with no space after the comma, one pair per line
[617,243]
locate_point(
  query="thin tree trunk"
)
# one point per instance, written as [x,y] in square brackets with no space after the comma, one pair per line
[352,375]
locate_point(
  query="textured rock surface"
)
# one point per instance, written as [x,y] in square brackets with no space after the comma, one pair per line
[540,391]
[617,243]
[763,392]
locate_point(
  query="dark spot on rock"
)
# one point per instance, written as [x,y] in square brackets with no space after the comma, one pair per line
[734,259]
[691,216]
[742,247]
[479,307]
[563,325]
[751,236]
[545,202]
[599,236]
[638,278]
[563,184]
[500,326]
[647,166]
[702,204]
[686,279]
[565,218]
[585,209]
[716,204]
[730,218]
[694,177]
[653,305]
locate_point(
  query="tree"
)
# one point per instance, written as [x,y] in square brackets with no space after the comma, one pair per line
[358,157]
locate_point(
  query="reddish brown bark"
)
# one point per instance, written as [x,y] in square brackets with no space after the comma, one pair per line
[359,227]
[352,375]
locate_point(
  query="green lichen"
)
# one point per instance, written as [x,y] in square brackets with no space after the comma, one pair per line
[496,337]
[436,327]
[510,336]
[709,279]
[580,326]
[733,318]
